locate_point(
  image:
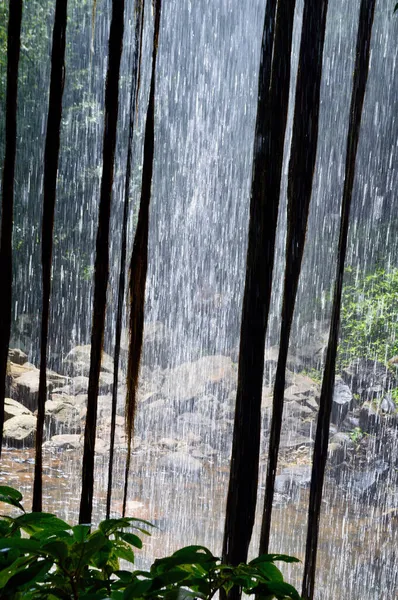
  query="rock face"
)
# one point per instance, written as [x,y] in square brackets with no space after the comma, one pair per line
[363,374]
[19,431]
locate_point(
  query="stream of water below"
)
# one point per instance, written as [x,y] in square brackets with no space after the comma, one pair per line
[357,556]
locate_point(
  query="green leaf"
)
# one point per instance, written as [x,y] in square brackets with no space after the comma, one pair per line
[275,588]
[35,522]
[132,539]
[81,532]
[181,594]
[9,495]
[124,551]
[57,549]
[22,544]
[263,558]
[137,589]
[92,545]
[14,567]
[27,576]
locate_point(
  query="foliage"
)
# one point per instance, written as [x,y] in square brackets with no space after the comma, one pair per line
[369,324]
[58,560]
[356,434]
[394,396]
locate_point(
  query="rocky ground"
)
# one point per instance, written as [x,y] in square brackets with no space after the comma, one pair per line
[185,416]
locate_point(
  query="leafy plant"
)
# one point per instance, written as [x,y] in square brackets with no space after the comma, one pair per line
[369,324]
[356,434]
[41,556]
[394,395]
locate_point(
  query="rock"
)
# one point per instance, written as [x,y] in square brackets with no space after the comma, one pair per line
[168,443]
[311,348]
[156,345]
[181,464]
[364,485]
[26,385]
[79,385]
[19,431]
[292,479]
[17,356]
[336,454]
[342,401]
[363,374]
[350,423]
[151,379]
[291,441]
[77,361]
[294,409]
[208,406]
[55,379]
[27,388]
[64,442]
[209,374]
[339,445]
[387,405]
[105,383]
[193,422]
[63,416]
[16,370]
[369,418]
[12,408]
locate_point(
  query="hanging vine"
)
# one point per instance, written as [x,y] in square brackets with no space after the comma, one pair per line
[139,259]
[135,85]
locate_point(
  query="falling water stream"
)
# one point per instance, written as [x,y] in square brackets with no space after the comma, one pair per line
[205,115]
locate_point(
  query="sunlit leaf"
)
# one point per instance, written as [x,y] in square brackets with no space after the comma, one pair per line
[9,495]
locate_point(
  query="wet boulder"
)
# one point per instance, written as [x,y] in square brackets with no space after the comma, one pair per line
[342,401]
[63,415]
[26,388]
[180,463]
[17,356]
[19,431]
[12,408]
[65,441]
[209,374]
[77,361]
[292,479]
[365,485]
[310,349]
[156,345]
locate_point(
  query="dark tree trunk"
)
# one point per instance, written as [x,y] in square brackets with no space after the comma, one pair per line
[301,172]
[322,432]
[51,155]
[13,50]
[139,260]
[265,191]
[102,255]
[135,85]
